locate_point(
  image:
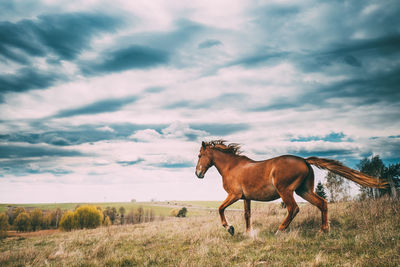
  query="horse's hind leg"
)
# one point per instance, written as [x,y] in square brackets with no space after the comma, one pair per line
[227,202]
[306,191]
[291,205]
[320,203]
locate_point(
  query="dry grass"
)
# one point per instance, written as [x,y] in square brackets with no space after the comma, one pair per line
[361,234]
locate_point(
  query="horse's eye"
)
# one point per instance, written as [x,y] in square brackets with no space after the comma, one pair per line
[199,156]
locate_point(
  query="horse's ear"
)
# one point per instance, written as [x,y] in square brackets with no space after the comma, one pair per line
[203,144]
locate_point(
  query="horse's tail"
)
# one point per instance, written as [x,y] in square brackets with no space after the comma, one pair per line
[353,175]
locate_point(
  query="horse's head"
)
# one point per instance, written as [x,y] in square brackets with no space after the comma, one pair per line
[205,160]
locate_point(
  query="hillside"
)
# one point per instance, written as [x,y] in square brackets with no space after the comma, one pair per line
[365,233]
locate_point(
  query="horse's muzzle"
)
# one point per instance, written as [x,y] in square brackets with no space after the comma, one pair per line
[199,175]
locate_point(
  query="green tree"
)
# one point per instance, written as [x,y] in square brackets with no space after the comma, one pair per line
[337,186]
[36,219]
[374,167]
[122,211]
[23,222]
[320,190]
[392,174]
[182,212]
[3,225]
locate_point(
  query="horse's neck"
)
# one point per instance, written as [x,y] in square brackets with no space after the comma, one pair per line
[224,161]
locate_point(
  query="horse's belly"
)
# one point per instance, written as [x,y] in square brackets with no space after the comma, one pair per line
[264,193]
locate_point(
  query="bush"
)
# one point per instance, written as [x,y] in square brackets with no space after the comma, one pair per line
[107,221]
[88,217]
[3,225]
[68,221]
[182,212]
[82,217]
[174,212]
[23,222]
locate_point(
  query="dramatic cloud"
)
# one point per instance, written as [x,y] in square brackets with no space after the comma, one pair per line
[108,105]
[120,96]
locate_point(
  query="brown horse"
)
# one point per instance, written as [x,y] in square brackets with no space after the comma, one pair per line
[271,179]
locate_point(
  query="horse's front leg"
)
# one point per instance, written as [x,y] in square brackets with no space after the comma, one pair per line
[232,198]
[247,214]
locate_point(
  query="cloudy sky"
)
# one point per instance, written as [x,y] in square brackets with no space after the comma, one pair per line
[110,100]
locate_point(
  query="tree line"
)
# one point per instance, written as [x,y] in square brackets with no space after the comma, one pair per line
[24,220]
[338,188]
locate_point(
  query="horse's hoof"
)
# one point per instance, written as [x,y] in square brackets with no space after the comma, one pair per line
[323,231]
[231,230]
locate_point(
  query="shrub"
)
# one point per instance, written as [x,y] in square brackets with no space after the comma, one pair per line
[3,225]
[107,221]
[174,212]
[68,221]
[182,212]
[22,222]
[111,213]
[88,217]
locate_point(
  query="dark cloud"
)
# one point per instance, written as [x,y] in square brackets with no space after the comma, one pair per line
[155,89]
[54,37]
[23,167]
[352,61]
[27,79]
[132,57]
[65,35]
[103,106]
[130,163]
[179,165]
[221,101]
[332,137]
[209,43]
[78,135]
[379,87]
[260,58]
[29,151]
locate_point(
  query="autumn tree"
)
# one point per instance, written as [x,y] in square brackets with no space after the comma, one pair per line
[22,222]
[110,212]
[3,225]
[68,221]
[88,217]
[36,219]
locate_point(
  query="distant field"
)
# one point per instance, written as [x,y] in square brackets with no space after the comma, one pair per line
[362,234]
[160,208]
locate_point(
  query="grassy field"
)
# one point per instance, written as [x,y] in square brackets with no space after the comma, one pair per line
[362,234]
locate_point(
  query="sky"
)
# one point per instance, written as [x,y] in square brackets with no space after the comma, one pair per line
[110,100]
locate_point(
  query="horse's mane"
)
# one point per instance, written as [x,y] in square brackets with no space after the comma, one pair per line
[221,145]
